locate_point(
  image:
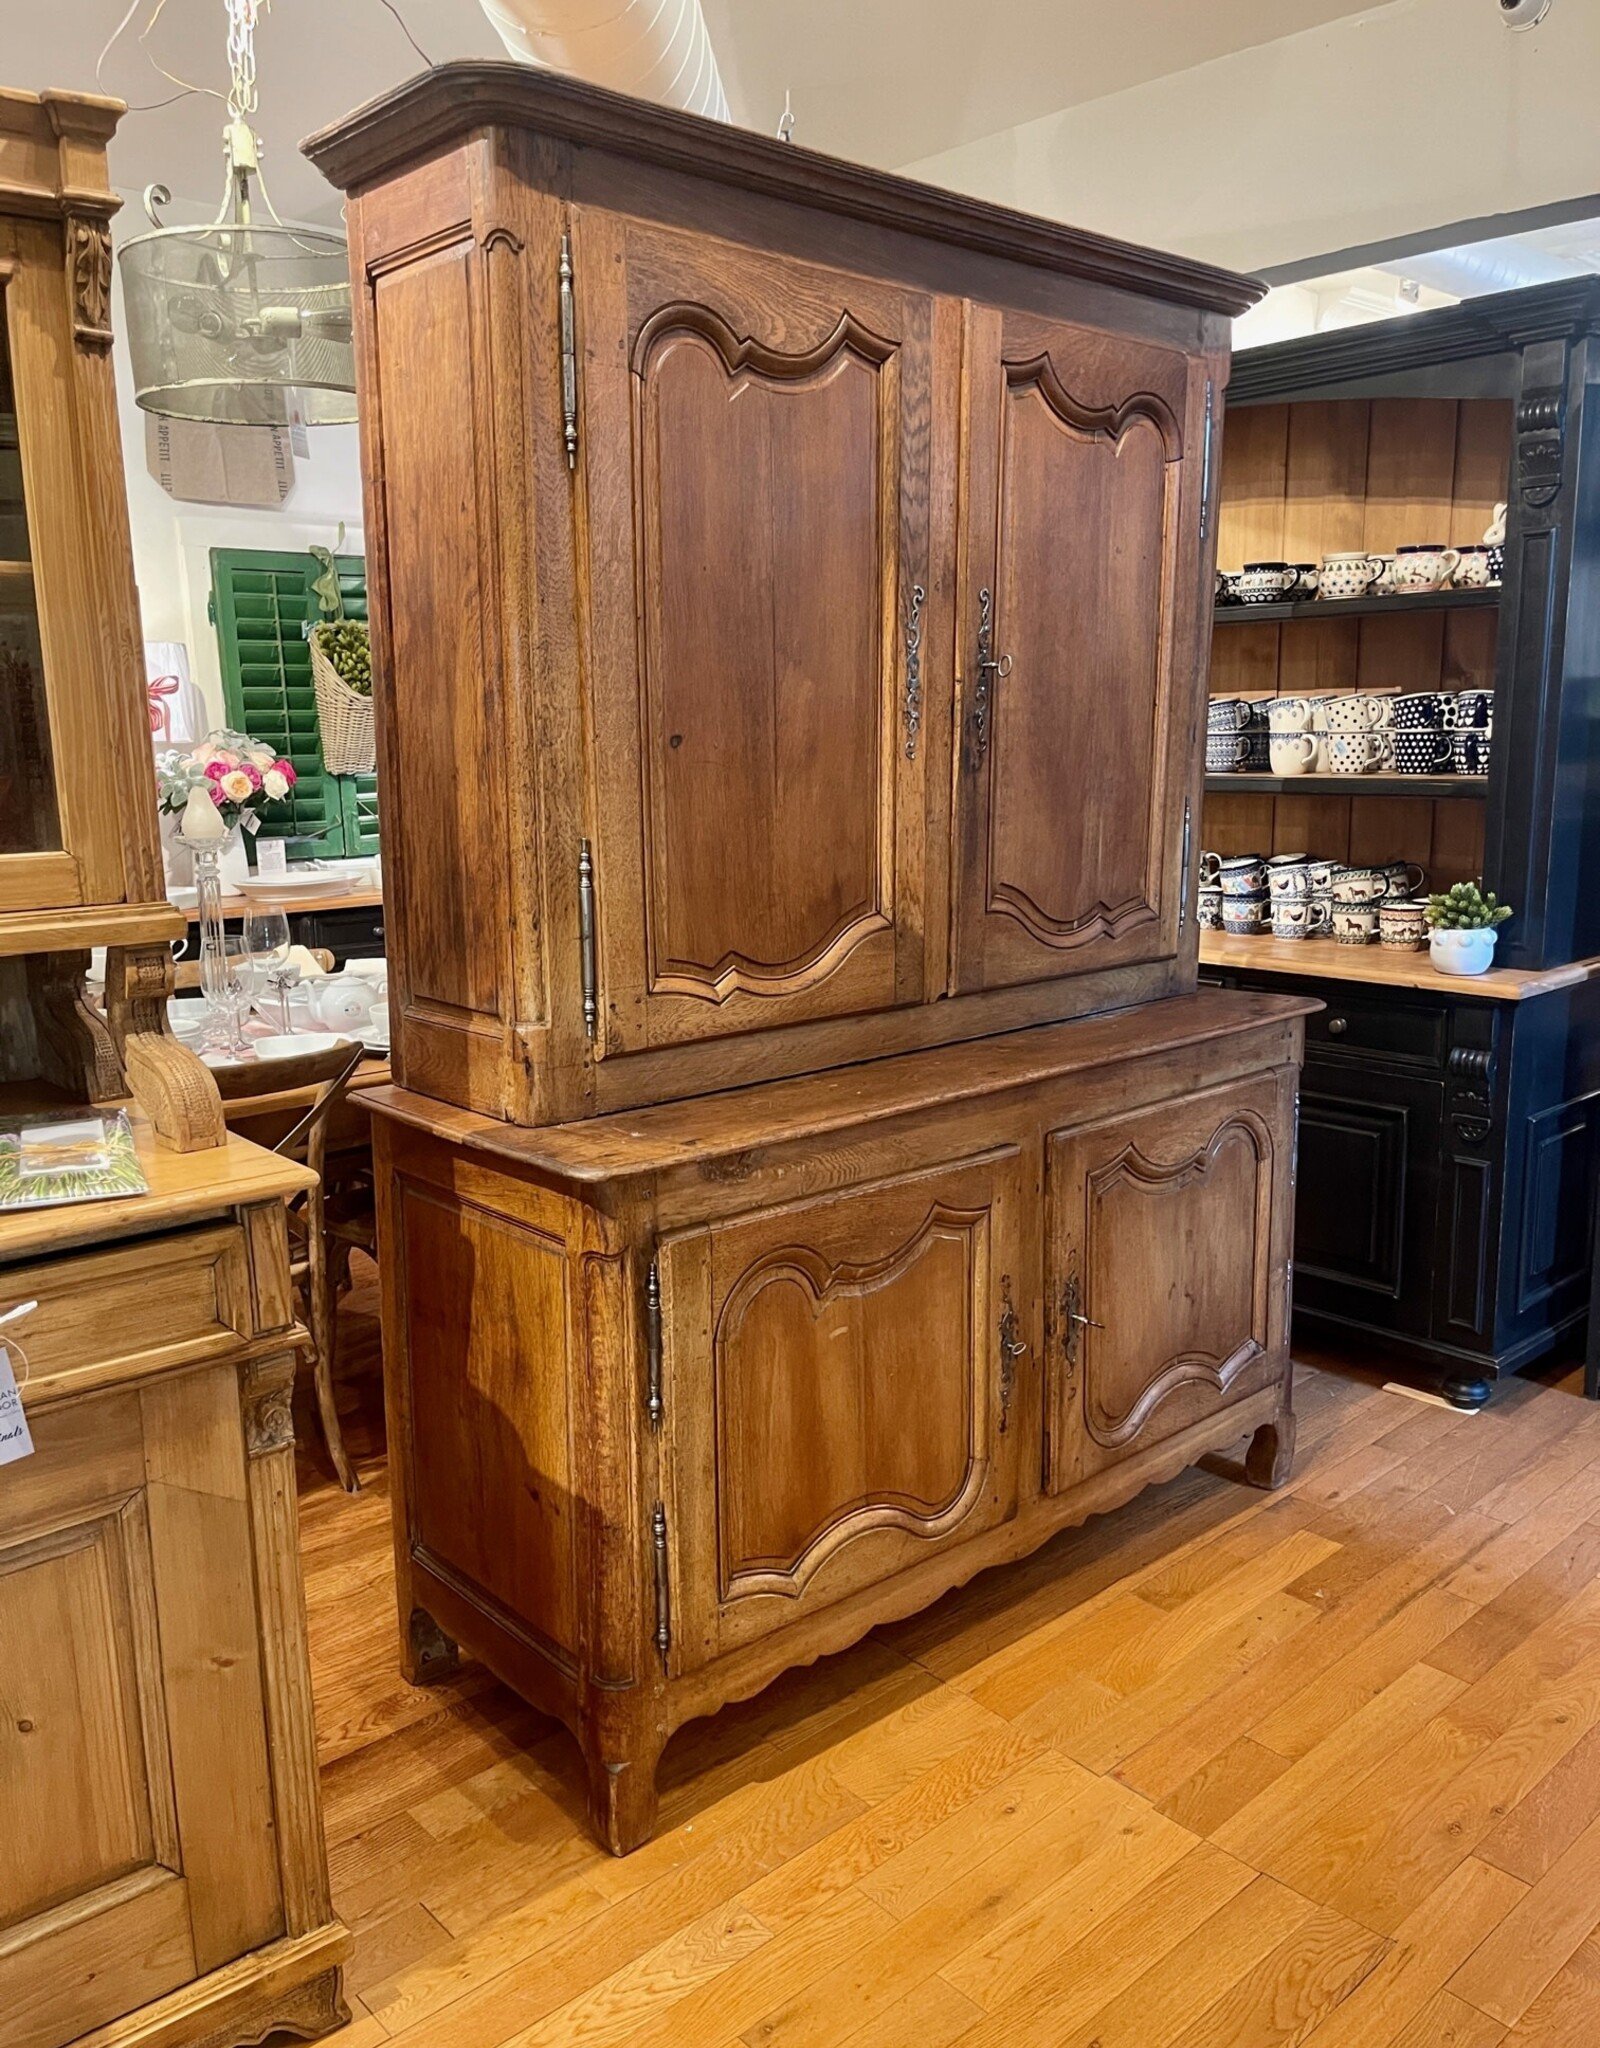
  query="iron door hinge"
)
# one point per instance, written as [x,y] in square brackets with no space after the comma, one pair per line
[989,671]
[569,354]
[1205,460]
[1183,877]
[1012,1346]
[654,1406]
[588,967]
[658,1541]
[914,670]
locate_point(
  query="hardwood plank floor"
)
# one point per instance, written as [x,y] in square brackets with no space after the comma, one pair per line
[1221,1770]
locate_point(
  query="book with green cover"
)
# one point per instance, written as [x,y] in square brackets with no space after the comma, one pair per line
[45,1161]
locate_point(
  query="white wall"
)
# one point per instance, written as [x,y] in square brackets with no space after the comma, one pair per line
[1406,118]
[172,542]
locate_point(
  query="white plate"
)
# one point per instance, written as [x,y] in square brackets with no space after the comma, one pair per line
[289,884]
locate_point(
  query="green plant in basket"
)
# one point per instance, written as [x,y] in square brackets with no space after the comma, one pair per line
[1464,907]
[348,648]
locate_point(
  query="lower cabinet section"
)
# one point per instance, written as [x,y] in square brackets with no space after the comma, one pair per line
[162,1876]
[682,1398]
[1448,1155]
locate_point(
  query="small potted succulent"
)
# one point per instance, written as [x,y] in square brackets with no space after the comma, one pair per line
[1462,924]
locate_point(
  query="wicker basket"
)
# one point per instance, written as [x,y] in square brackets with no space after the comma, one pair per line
[349,744]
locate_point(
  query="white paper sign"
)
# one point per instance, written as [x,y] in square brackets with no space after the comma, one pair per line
[16,1440]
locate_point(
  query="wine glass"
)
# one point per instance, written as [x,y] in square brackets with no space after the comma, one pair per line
[266,942]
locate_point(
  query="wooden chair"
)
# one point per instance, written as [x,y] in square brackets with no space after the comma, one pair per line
[303,1092]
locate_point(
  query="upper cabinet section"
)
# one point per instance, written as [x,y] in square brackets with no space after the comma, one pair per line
[787,596]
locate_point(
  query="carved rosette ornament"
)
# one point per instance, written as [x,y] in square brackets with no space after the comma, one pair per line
[89,277]
[267,1396]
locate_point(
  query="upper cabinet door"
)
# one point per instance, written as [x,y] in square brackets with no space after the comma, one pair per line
[59,838]
[759,516]
[1078,647]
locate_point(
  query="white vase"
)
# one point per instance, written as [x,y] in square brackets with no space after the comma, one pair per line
[1462,952]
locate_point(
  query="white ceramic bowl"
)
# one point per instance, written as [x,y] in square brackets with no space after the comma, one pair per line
[296,1044]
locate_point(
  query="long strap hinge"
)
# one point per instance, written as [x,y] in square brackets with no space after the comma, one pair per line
[658,1542]
[586,945]
[654,1405]
[569,354]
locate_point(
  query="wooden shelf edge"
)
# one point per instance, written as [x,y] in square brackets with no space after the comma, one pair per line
[1244,783]
[1355,607]
[1383,967]
[67,931]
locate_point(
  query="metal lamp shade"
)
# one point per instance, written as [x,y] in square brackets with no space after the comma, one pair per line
[240,324]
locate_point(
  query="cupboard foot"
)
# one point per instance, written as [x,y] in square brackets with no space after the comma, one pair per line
[427,1653]
[1270,1457]
[622,1796]
[1467,1389]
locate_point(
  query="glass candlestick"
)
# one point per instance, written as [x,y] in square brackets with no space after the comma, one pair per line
[223,1030]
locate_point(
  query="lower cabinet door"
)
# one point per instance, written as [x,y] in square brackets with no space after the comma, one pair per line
[842,1380]
[137,1846]
[1167,1244]
[1371,1144]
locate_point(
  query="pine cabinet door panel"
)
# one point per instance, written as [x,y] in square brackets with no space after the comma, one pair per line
[757,471]
[1079,650]
[135,1789]
[840,1398]
[1165,1230]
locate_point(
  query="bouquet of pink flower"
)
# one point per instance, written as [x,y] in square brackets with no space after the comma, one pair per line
[237,773]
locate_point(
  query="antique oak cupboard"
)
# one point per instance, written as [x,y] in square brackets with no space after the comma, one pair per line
[787,590]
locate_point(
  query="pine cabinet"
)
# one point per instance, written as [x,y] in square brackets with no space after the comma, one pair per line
[786,596]
[164,1876]
[684,1396]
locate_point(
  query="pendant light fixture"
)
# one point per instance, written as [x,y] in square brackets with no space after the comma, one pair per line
[244,322]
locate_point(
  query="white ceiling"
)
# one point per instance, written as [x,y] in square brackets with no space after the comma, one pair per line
[884,81]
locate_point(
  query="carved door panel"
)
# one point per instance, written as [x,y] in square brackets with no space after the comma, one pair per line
[844,1391]
[1166,1276]
[763,529]
[1078,647]
[136,1722]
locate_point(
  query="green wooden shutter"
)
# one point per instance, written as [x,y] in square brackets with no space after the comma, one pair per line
[260,602]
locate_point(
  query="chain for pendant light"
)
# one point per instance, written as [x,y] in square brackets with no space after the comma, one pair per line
[242,18]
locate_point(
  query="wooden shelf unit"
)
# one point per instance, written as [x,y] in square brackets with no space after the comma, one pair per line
[1304,478]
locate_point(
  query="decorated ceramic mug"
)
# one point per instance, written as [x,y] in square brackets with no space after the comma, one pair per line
[1421,752]
[1475,570]
[1353,713]
[1243,874]
[1403,925]
[1358,885]
[1210,907]
[1353,753]
[1305,580]
[1355,924]
[1385,585]
[1418,708]
[1424,565]
[1322,873]
[1290,714]
[1236,714]
[1300,917]
[1289,881]
[1265,582]
[1403,879]
[1293,753]
[1244,916]
[1347,575]
[1470,710]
